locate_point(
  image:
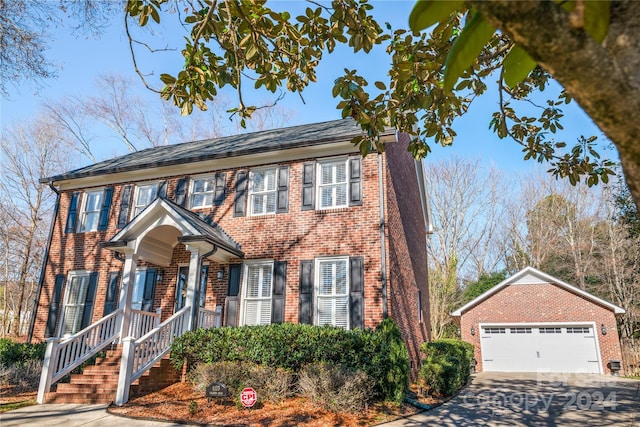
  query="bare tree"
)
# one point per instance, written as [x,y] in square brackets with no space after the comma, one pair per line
[467,205]
[29,152]
[25,33]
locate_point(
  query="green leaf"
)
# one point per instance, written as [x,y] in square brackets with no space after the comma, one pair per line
[596,18]
[425,13]
[517,66]
[466,48]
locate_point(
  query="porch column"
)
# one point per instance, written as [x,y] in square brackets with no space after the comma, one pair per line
[192,285]
[126,293]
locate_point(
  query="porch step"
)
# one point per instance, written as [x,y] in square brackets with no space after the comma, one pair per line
[99,383]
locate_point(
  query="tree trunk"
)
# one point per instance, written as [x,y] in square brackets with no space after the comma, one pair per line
[603,79]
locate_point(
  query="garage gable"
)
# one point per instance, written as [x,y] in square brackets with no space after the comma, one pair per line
[532,276]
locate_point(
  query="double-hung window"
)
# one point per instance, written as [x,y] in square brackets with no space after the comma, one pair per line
[78,302]
[90,216]
[208,191]
[145,194]
[332,291]
[258,288]
[333,184]
[263,191]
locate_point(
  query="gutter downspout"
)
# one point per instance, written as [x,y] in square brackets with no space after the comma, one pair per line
[44,262]
[383,252]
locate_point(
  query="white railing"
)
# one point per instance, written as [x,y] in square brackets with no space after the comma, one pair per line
[65,354]
[142,322]
[138,356]
[210,318]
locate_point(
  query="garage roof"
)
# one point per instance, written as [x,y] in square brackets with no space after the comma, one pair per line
[530,275]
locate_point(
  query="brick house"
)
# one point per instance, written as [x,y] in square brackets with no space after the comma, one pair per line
[287,225]
[533,322]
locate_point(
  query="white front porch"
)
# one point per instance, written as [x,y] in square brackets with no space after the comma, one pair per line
[150,238]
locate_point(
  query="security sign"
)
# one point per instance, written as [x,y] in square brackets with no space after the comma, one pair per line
[248,397]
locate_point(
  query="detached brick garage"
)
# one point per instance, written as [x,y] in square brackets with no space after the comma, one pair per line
[533,322]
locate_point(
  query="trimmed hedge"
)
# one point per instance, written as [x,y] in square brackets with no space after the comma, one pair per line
[380,353]
[447,365]
[15,353]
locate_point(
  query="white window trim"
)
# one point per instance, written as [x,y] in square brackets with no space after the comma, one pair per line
[70,276]
[192,183]
[136,193]
[341,159]
[316,286]
[245,284]
[251,193]
[82,212]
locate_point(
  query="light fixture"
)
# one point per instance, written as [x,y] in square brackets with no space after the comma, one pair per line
[603,329]
[473,330]
[159,276]
[220,274]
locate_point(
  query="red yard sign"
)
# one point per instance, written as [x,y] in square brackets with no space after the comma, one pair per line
[248,397]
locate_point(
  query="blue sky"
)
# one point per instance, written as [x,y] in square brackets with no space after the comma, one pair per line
[81,60]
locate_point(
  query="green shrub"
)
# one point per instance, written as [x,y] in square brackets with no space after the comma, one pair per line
[447,365]
[380,353]
[336,388]
[271,385]
[12,353]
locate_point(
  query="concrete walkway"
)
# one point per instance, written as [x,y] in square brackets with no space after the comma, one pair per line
[71,415]
[493,399]
[531,399]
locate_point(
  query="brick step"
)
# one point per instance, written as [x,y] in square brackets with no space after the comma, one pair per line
[94,379]
[101,370]
[108,361]
[67,388]
[82,398]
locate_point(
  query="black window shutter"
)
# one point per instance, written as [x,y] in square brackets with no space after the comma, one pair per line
[181,191]
[308,186]
[54,306]
[240,202]
[90,298]
[355,181]
[356,292]
[125,203]
[106,207]
[220,184]
[111,298]
[282,193]
[149,290]
[305,301]
[279,290]
[231,302]
[72,216]
[162,189]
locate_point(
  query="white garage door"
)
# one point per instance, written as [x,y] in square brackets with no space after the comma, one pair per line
[547,348]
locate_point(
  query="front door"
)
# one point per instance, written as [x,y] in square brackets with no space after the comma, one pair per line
[181,287]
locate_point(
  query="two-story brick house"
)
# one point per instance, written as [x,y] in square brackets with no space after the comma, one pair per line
[287,225]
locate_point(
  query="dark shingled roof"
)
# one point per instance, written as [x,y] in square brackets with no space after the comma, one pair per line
[217,148]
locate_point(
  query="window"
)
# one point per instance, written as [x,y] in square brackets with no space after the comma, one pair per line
[90,216]
[144,284]
[263,191]
[78,305]
[332,292]
[520,330]
[494,330]
[258,285]
[578,330]
[208,191]
[145,194]
[332,184]
[550,330]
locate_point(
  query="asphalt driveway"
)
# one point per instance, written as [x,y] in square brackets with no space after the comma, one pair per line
[537,399]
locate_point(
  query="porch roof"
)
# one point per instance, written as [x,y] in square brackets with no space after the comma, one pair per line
[163,224]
